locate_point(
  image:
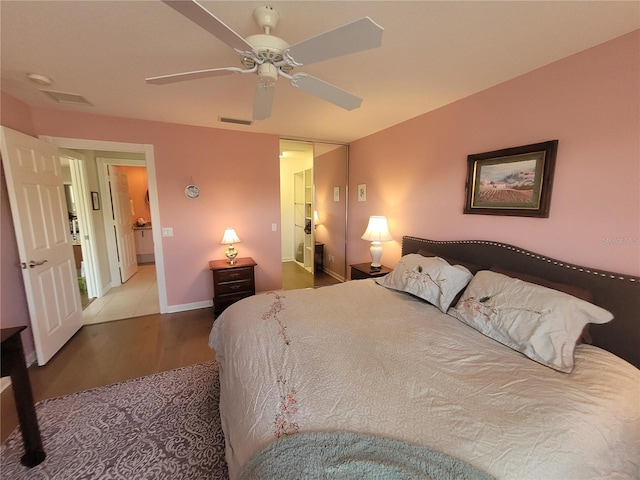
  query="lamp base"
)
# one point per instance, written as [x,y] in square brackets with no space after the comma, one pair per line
[231,254]
[373,269]
[376,253]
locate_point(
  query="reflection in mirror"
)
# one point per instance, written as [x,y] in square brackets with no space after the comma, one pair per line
[330,181]
[313,182]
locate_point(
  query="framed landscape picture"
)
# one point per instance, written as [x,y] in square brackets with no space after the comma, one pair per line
[513,181]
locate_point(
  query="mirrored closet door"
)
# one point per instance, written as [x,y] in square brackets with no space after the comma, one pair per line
[313,201]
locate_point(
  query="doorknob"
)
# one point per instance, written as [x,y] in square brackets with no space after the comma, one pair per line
[33,264]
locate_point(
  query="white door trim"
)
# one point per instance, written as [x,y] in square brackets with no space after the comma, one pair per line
[147,150]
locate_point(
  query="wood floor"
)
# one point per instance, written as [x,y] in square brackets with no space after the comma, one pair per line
[294,276]
[111,352]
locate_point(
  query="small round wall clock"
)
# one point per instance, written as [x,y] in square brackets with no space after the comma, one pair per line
[191,191]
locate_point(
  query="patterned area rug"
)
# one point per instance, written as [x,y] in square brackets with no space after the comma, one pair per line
[163,426]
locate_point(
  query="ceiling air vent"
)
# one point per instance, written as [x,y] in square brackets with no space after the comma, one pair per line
[62,97]
[235,120]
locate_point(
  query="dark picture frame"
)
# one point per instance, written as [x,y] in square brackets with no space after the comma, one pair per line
[513,181]
[95,201]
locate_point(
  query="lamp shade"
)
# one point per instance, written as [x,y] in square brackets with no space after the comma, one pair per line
[230,236]
[377,230]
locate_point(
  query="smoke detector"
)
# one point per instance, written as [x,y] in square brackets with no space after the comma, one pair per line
[39,79]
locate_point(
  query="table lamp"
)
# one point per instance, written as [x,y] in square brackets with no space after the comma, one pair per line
[377,232]
[229,238]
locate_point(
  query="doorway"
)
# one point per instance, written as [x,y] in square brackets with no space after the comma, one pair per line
[130,251]
[313,196]
[108,283]
[131,289]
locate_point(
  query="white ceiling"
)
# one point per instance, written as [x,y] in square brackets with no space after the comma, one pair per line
[433,53]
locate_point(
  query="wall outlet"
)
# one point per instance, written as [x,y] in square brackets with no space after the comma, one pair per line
[274,227]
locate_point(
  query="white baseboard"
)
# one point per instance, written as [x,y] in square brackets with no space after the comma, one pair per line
[335,275]
[105,290]
[31,359]
[189,306]
[4,383]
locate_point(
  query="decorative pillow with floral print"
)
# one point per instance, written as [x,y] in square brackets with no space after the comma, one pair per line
[542,323]
[430,278]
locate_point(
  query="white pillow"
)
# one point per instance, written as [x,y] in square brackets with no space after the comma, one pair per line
[430,278]
[542,323]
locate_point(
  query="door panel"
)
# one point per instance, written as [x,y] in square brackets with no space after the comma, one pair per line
[38,207]
[125,235]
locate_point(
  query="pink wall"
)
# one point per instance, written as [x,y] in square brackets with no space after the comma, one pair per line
[138,186]
[238,176]
[15,114]
[415,171]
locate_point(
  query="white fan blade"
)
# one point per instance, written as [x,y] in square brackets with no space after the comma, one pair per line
[353,37]
[212,24]
[326,91]
[263,100]
[180,77]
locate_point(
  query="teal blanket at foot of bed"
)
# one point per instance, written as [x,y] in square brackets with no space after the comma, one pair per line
[346,455]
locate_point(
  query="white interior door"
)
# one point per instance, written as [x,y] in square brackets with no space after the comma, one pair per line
[39,211]
[85,221]
[123,226]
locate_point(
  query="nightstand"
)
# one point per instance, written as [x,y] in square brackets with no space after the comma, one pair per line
[232,282]
[363,270]
[318,258]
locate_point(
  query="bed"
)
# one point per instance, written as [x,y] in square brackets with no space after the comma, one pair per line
[368,379]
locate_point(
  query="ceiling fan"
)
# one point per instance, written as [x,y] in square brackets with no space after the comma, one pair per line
[271,57]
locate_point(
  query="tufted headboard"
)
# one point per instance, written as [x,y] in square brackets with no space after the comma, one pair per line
[617,293]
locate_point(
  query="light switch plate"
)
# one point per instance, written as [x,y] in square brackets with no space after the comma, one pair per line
[167,231]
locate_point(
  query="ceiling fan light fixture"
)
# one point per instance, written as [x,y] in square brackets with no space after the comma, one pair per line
[248,62]
[267,73]
[270,57]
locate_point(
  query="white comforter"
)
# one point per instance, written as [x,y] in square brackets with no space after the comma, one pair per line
[361,358]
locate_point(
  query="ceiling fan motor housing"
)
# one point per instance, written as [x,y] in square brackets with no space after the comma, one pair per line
[269,47]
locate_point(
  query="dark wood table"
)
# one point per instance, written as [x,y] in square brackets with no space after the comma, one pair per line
[360,271]
[13,364]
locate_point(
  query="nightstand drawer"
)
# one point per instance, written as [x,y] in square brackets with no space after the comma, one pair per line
[236,286]
[235,275]
[221,302]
